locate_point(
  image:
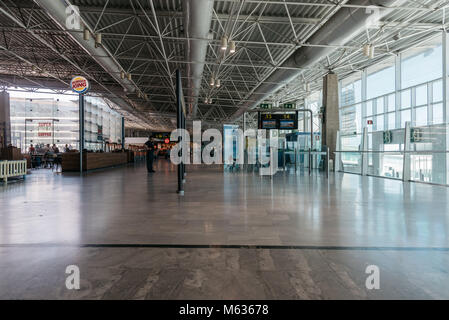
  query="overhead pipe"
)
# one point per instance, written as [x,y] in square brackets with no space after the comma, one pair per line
[197,23]
[342,27]
[57,11]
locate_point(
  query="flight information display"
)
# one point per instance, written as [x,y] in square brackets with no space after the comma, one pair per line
[269,121]
[285,121]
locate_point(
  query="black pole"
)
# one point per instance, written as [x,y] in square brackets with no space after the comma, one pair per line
[81,102]
[184,173]
[123,133]
[179,125]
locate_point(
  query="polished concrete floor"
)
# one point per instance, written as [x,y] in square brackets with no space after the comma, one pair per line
[290,237]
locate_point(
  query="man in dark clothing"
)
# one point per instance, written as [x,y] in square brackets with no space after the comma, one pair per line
[149,145]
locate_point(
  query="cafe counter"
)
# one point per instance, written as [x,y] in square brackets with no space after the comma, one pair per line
[92,161]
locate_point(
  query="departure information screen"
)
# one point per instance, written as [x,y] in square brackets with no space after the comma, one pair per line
[286,121]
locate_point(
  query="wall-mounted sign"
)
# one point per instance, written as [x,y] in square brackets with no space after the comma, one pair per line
[80,85]
[370,122]
[100,133]
[44,129]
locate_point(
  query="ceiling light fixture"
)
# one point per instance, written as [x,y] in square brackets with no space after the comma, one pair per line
[218,83]
[307,87]
[232,47]
[98,40]
[86,34]
[372,52]
[224,43]
[369,50]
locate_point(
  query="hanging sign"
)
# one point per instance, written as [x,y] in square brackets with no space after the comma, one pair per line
[80,85]
[266,106]
[289,106]
[285,121]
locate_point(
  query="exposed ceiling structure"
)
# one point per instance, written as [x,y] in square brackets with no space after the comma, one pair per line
[280,47]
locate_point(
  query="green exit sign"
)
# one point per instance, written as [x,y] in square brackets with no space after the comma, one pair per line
[289,106]
[266,106]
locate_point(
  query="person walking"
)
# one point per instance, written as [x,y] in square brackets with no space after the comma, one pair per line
[150,147]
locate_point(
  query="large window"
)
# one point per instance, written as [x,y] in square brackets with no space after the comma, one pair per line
[314,103]
[351,90]
[422,64]
[381,79]
[387,106]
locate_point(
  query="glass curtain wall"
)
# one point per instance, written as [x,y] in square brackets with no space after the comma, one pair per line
[54,119]
[382,99]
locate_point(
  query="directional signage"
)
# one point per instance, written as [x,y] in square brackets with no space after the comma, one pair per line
[266,106]
[388,137]
[289,106]
[416,135]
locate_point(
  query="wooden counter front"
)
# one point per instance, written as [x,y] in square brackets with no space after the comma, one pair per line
[91,161]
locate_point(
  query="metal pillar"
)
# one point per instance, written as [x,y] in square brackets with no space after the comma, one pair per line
[446,104]
[180,122]
[406,171]
[81,134]
[123,133]
[364,150]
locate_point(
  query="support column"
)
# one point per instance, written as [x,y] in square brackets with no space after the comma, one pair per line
[5,120]
[330,122]
[81,130]
[443,162]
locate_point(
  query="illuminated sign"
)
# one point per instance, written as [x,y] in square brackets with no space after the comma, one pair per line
[285,121]
[79,85]
[266,106]
[289,106]
[288,121]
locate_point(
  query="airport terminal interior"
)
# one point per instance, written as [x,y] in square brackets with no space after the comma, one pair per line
[224,149]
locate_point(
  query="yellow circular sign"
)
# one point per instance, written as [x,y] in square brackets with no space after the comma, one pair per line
[79,85]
